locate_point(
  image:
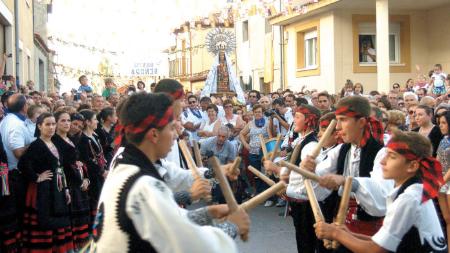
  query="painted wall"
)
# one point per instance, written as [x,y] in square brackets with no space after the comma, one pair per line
[429,45]
[252,56]
[324,81]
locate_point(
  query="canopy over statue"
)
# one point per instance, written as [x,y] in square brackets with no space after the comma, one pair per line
[221,78]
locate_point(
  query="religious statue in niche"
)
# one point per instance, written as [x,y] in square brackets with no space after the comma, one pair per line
[221,79]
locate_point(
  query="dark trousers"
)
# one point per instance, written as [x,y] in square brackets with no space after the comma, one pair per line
[255,161]
[305,235]
[304,231]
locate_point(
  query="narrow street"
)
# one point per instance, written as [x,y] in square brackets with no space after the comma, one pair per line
[269,232]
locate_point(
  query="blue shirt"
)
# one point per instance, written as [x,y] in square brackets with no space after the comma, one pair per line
[86,88]
[225,155]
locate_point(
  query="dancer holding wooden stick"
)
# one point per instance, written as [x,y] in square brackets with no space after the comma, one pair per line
[306,120]
[411,223]
[358,157]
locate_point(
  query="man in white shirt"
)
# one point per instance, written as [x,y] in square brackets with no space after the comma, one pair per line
[15,135]
[192,118]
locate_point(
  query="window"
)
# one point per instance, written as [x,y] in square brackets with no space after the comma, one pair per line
[367,43]
[364,44]
[308,49]
[245,31]
[311,49]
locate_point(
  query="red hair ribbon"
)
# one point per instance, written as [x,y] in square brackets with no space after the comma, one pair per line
[311,119]
[177,94]
[430,167]
[373,128]
[152,121]
[324,123]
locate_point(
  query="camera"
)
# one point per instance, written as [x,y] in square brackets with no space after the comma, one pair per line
[230,126]
[269,113]
[7,78]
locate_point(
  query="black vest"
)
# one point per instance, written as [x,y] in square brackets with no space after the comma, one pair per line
[133,156]
[309,138]
[410,242]
[368,154]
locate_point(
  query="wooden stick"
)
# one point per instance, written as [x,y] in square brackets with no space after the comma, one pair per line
[262,141]
[277,147]
[236,164]
[343,206]
[191,165]
[198,156]
[263,196]
[295,153]
[263,177]
[306,173]
[190,162]
[313,154]
[325,136]
[226,189]
[318,216]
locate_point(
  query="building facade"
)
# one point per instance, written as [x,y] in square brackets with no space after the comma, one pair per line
[27,67]
[43,77]
[259,50]
[374,42]
[189,59]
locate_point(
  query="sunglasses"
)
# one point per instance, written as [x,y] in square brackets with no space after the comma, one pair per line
[411,112]
[192,102]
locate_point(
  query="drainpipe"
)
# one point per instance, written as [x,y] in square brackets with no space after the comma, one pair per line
[16,33]
[281,57]
[281,52]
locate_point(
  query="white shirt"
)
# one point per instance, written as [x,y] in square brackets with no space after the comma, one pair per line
[289,119]
[15,135]
[156,218]
[372,191]
[408,211]
[296,188]
[188,116]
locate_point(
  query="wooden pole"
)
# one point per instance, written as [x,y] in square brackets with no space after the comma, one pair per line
[343,206]
[263,196]
[226,189]
[277,147]
[263,146]
[313,154]
[263,177]
[318,216]
[236,164]
[198,156]
[295,154]
[306,173]
[190,162]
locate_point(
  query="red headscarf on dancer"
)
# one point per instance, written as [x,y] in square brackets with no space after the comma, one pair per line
[177,94]
[152,121]
[430,167]
[312,116]
[373,128]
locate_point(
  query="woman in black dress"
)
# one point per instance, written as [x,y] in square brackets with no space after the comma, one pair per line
[46,220]
[91,154]
[105,131]
[77,181]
